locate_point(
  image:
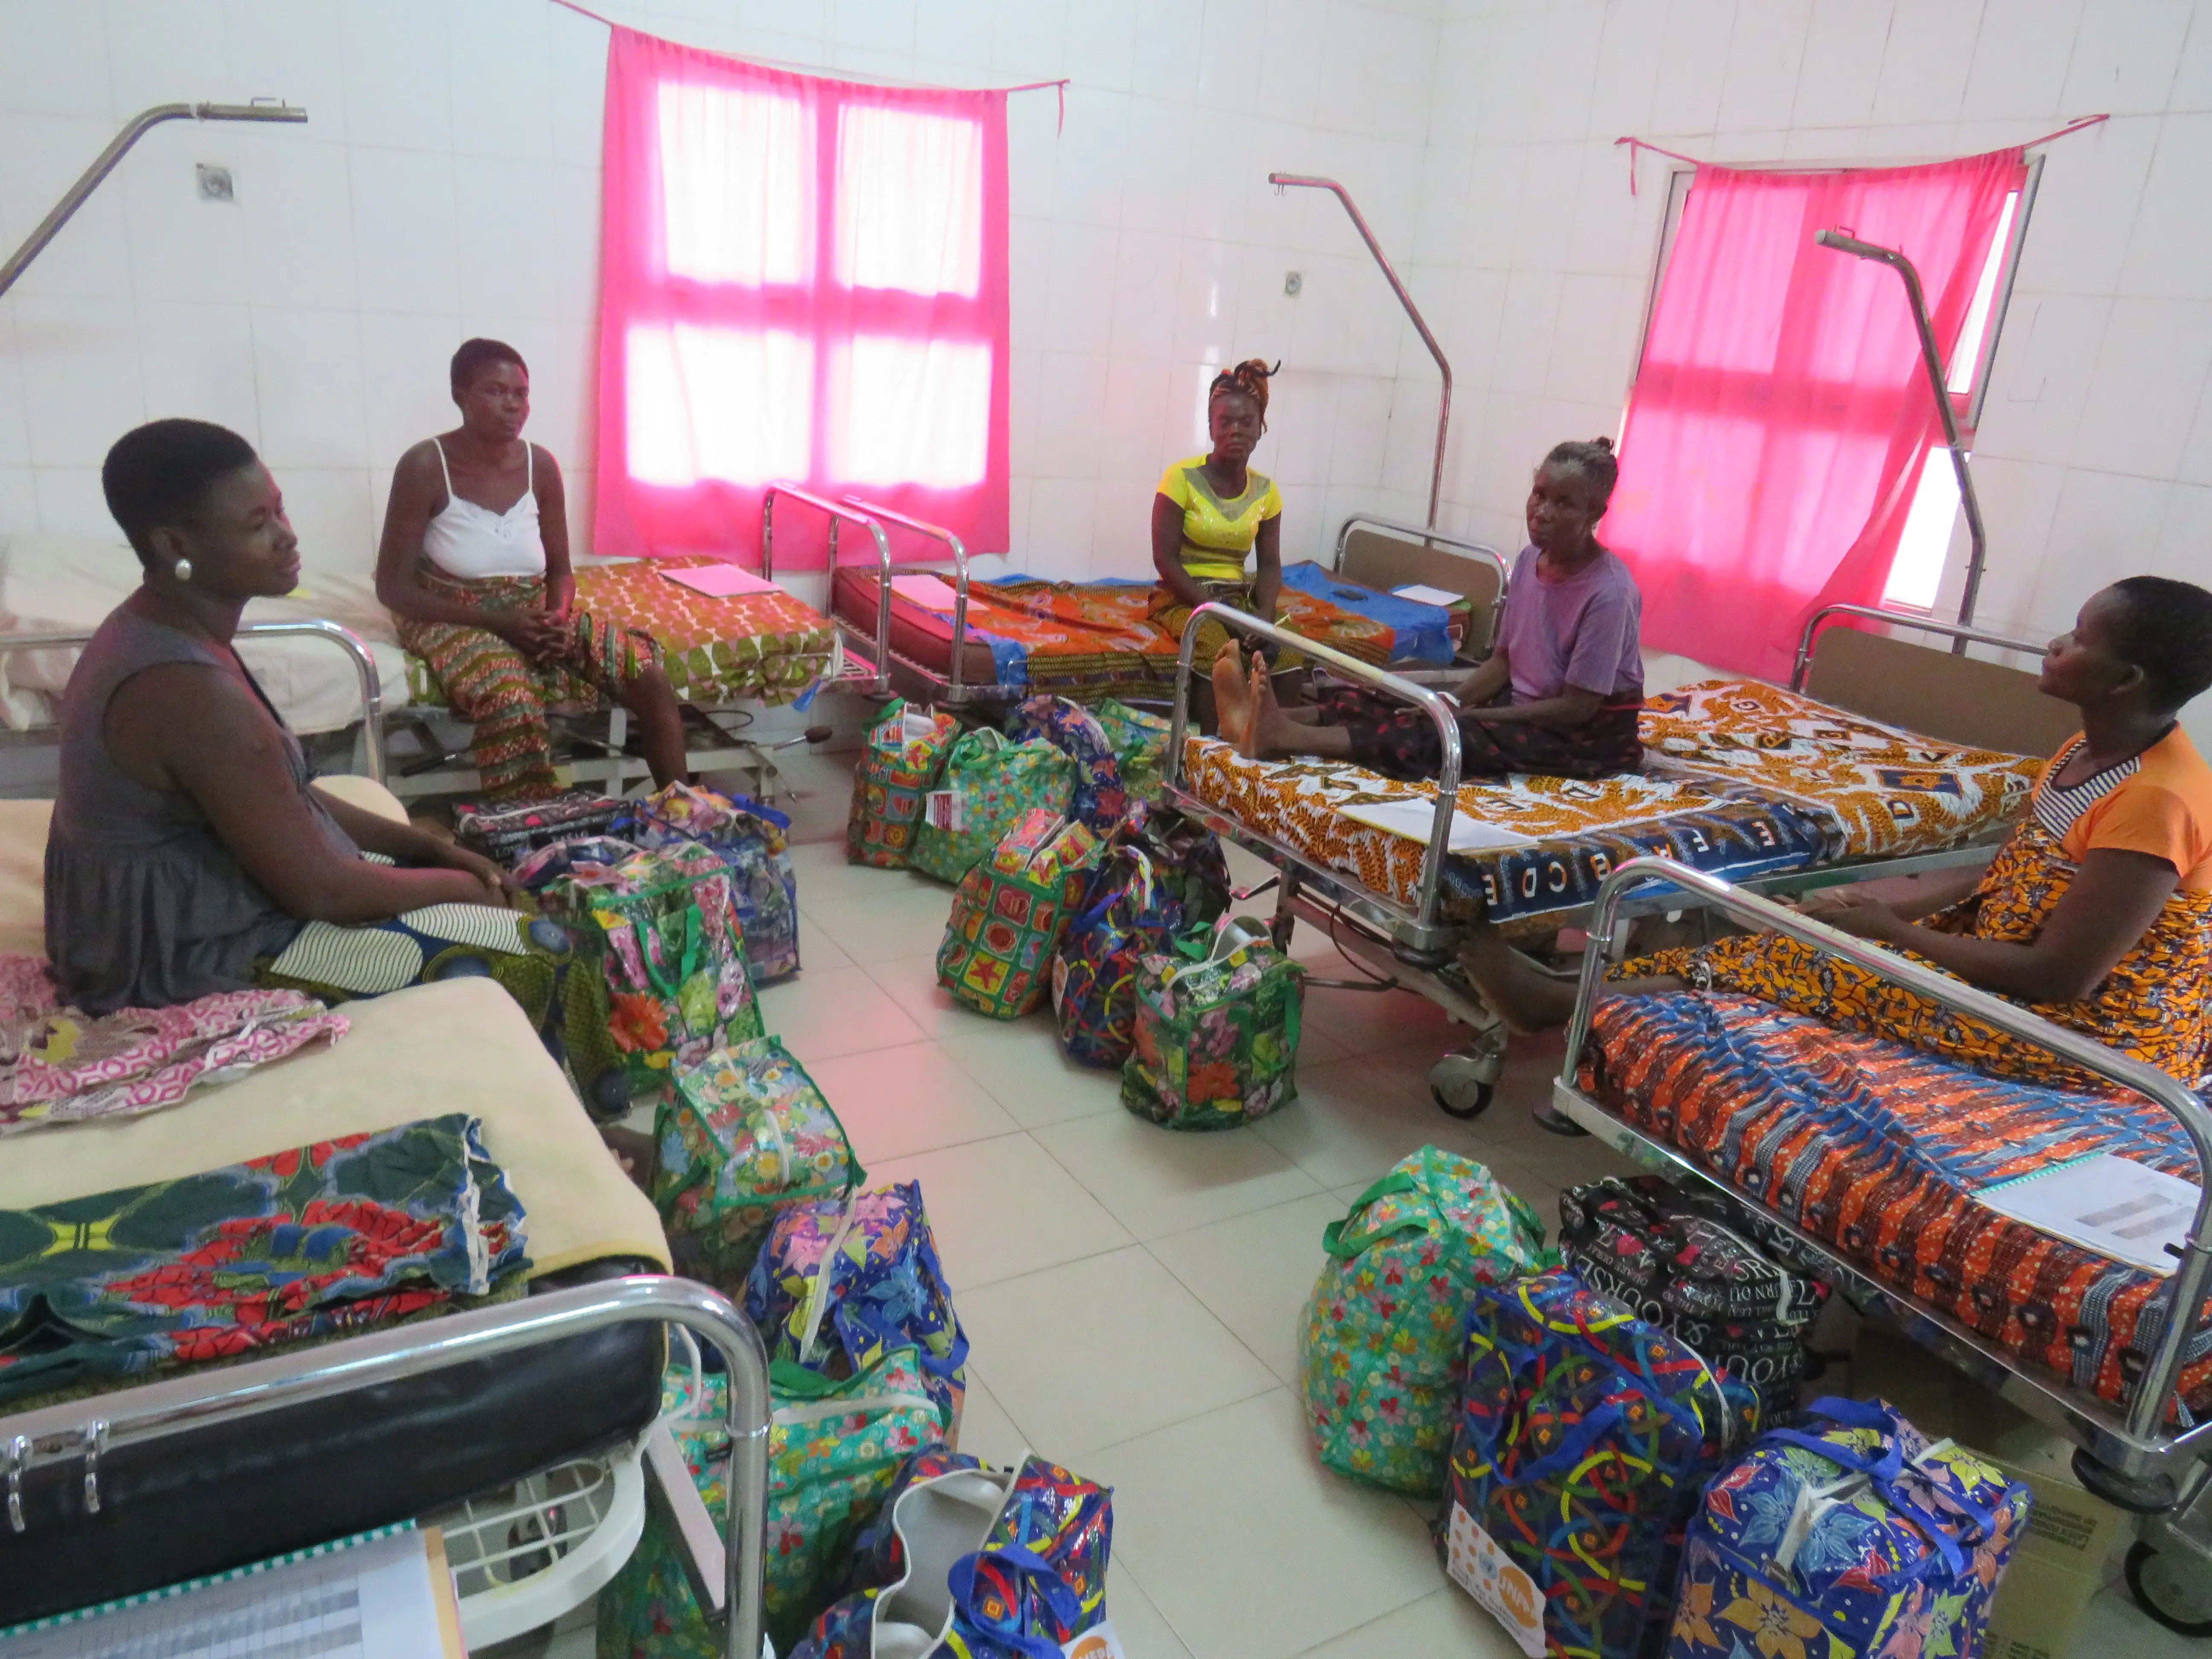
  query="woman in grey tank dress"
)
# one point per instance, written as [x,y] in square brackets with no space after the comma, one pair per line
[189,854]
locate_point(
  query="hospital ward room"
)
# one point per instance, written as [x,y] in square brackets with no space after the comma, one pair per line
[1105,828]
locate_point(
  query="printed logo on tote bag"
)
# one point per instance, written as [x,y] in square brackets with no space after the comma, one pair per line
[1484,1571]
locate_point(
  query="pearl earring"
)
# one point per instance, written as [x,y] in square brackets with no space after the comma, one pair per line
[184,570]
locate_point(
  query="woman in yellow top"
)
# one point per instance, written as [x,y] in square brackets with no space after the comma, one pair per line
[1214,509]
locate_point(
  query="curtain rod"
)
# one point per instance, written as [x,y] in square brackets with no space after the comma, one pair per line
[1635,144]
[1059,86]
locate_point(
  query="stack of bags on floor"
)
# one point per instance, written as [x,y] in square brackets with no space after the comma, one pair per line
[1071,884]
[881,1536]
[1614,1438]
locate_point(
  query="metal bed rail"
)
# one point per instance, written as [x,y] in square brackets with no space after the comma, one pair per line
[839,513]
[364,664]
[954,693]
[1957,631]
[78,1431]
[2131,1454]
[1423,916]
[1481,550]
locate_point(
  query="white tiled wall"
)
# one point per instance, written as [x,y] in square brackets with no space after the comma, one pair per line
[2094,456]
[446,184]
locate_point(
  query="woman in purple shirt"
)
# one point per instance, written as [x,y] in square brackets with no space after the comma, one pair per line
[1558,695]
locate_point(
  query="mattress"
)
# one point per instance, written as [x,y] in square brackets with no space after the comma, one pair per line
[1419,632]
[1877,1150]
[1081,640]
[1577,830]
[1742,779]
[222,1496]
[1891,791]
[745,647]
[55,585]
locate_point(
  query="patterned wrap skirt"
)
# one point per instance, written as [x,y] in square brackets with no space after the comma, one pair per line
[1172,614]
[489,682]
[2152,1006]
[1400,740]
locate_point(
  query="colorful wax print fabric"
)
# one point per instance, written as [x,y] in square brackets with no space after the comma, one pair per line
[1890,791]
[1877,1150]
[61,1065]
[1575,830]
[1381,1343]
[318,1241]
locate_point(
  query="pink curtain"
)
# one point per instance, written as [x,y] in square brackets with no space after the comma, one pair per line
[800,281]
[1780,412]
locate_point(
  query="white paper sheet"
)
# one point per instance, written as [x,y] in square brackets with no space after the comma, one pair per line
[1422,595]
[926,591]
[376,1599]
[1416,819]
[719,582]
[2112,1206]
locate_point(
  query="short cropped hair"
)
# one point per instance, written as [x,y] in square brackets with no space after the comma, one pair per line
[159,474]
[1594,458]
[478,354]
[2165,628]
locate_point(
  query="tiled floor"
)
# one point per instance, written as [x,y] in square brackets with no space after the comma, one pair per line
[1132,1294]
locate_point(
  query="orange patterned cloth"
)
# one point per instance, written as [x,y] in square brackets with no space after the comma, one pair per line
[1892,791]
[1877,1151]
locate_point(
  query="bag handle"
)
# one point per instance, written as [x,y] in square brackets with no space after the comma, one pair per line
[818,1298]
[1332,1237]
[1029,1569]
[1883,1471]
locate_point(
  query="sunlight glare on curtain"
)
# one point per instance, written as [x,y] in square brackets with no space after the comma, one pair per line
[911,412]
[718,403]
[909,201]
[736,176]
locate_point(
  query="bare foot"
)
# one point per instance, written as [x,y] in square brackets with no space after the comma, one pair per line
[1264,730]
[1233,696]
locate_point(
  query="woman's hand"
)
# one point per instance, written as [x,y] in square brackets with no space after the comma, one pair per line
[500,887]
[540,636]
[1848,910]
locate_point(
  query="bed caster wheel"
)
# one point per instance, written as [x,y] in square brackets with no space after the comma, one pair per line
[1463,1084]
[2163,1587]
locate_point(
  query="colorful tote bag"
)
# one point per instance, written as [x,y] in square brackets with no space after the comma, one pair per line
[840,1282]
[1382,1343]
[1584,1436]
[1158,878]
[1641,1242]
[835,1448]
[1850,1537]
[967,1562]
[754,841]
[989,784]
[1140,742]
[664,928]
[907,750]
[1100,798]
[1009,914]
[1215,1045]
[744,1132]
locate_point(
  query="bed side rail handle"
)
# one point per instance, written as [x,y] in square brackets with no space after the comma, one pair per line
[839,513]
[57,1433]
[2161,1378]
[365,672]
[1439,710]
[1432,538]
[1803,665]
[959,575]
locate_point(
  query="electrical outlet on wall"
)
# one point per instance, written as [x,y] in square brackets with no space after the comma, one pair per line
[1292,282]
[215,182]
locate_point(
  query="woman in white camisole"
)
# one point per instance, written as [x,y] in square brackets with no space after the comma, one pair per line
[474,568]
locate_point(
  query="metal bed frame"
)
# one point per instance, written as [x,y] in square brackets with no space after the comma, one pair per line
[78,1431]
[1958,633]
[1482,552]
[2128,1457]
[364,665]
[1408,946]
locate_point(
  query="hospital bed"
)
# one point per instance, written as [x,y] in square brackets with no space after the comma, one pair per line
[1760,786]
[174,1512]
[996,640]
[1736,1096]
[1387,555]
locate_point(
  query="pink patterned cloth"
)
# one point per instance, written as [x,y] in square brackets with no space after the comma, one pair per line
[59,1065]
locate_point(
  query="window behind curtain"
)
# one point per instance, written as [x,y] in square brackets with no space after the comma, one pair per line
[802,281]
